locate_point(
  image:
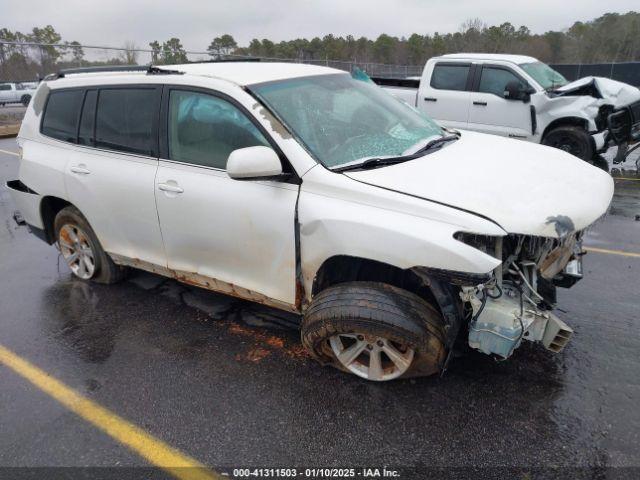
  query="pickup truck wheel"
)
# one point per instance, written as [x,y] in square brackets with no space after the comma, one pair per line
[376,331]
[574,140]
[81,249]
[25,100]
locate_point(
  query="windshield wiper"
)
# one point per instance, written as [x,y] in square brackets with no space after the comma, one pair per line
[376,162]
[383,161]
[438,142]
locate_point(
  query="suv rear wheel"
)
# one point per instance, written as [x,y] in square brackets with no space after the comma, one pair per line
[574,140]
[81,249]
[376,331]
[25,100]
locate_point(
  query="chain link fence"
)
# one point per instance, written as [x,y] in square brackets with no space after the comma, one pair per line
[27,62]
[627,72]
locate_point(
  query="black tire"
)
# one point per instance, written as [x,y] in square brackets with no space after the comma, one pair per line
[105,270]
[25,100]
[375,309]
[574,140]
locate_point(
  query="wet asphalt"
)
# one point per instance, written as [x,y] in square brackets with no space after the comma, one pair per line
[228,383]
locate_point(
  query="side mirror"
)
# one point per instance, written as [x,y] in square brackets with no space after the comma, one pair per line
[516,90]
[254,163]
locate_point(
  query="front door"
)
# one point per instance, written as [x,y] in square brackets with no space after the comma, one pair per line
[490,112]
[234,236]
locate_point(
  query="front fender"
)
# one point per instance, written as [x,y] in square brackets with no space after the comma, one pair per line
[582,108]
[388,227]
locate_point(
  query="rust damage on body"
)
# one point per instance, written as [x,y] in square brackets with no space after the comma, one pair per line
[202,281]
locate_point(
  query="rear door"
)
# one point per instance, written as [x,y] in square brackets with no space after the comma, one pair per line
[229,235]
[446,97]
[490,112]
[110,174]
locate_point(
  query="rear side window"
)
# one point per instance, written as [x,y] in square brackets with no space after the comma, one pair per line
[126,120]
[61,115]
[5,87]
[87,119]
[450,77]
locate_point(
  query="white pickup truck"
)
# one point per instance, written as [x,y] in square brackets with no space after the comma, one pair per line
[520,97]
[15,93]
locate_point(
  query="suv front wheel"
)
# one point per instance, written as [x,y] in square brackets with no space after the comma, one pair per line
[81,249]
[374,330]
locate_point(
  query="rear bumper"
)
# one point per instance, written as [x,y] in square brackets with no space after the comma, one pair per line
[28,203]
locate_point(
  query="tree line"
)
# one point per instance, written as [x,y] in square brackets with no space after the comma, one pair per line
[611,37]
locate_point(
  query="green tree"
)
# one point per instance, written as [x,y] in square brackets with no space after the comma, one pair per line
[77,53]
[173,52]
[48,53]
[155,52]
[222,45]
[383,48]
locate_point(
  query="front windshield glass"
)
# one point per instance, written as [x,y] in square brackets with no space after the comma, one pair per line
[546,76]
[340,119]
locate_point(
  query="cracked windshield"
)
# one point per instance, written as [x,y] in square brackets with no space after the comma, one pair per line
[341,119]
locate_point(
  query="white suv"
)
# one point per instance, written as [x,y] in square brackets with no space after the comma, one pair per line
[307,189]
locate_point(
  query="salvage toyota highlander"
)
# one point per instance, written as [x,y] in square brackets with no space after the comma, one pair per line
[313,191]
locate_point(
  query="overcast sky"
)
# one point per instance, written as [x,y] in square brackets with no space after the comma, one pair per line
[196,22]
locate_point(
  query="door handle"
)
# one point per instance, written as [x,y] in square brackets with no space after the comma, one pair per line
[482,104]
[430,99]
[168,187]
[80,169]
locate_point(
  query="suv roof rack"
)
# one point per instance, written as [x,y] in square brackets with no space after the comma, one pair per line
[150,69]
[223,60]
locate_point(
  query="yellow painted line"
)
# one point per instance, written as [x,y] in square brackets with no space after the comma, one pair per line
[9,152]
[612,252]
[153,450]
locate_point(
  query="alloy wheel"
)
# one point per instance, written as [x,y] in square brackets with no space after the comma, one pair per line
[77,252]
[370,356]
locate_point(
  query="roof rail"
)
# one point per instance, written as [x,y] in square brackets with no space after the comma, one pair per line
[150,69]
[223,60]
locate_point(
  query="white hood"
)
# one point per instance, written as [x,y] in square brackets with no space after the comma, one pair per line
[616,93]
[526,188]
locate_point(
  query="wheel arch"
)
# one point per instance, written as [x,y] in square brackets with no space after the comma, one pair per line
[568,122]
[345,268]
[49,208]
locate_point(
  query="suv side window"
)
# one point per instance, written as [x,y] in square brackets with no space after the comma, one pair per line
[126,119]
[5,87]
[494,80]
[450,76]
[60,119]
[204,129]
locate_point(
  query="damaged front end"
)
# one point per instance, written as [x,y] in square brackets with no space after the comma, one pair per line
[515,303]
[618,110]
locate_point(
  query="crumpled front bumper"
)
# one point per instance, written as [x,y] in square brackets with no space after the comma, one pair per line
[624,124]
